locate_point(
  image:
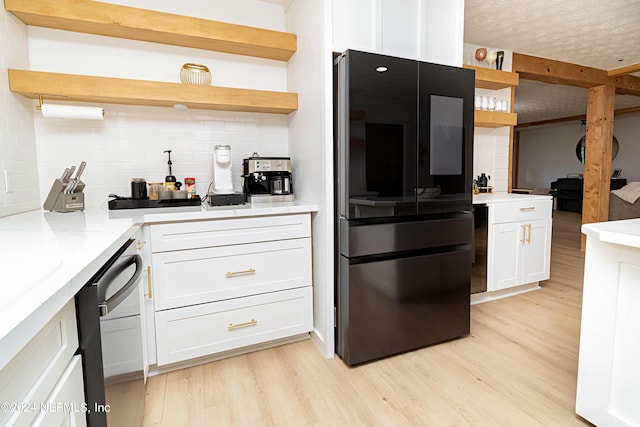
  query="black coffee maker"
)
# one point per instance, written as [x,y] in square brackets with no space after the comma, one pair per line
[267,179]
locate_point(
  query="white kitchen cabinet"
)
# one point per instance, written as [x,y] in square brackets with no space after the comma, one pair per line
[428,30]
[608,383]
[229,283]
[44,380]
[65,406]
[519,243]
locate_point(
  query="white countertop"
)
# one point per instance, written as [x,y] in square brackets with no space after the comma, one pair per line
[625,232]
[46,257]
[506,197]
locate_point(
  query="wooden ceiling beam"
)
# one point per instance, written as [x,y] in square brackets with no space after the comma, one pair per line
[558,72]
[623,71]
[619,112]
[627,85]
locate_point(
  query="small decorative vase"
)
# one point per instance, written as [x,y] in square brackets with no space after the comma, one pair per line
[491,57]
[499,59]
[481,53]
[195,74]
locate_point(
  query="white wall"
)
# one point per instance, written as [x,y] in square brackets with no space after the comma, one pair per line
[17,140]
[428,30]
[548,152]
[311,144]
[130,141]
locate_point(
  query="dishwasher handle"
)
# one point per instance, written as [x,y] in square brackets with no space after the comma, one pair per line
[107,305]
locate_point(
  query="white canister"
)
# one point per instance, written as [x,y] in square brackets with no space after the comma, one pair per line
[478,103]
[485,102]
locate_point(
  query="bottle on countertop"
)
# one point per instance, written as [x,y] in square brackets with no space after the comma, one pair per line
[169,180]
[190,186]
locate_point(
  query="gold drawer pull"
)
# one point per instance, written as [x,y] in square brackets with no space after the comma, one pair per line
[524,230]
[530,208]
[529,235]
[236,273]
[140,244]
[251,322]
[150,294]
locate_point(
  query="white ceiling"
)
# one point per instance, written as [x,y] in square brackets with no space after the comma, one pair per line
[594,33]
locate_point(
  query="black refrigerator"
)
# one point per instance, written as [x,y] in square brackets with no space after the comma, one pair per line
[403,185]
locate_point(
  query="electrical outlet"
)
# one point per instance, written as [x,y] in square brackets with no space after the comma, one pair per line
[8,181]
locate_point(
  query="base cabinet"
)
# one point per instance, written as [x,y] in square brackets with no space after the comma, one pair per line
[205,329]
[225,284]
[42,385]
[519,244]
[608,382]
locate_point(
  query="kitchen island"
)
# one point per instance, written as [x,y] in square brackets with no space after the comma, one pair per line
[608,374]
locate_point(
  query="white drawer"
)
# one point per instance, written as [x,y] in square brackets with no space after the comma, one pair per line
[521,210]
[203,234]
[66,405]
[213,274]
[201,330]
[30,376]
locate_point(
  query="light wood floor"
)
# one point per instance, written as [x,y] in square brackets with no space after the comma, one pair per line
[518,367]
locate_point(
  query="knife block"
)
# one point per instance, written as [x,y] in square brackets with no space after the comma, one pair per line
[58,201]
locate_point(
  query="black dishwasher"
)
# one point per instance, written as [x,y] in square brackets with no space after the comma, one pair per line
[116,281]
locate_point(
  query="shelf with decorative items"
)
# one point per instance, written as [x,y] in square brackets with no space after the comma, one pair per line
[79,88]
[113,20]
[106,19]
[490,79]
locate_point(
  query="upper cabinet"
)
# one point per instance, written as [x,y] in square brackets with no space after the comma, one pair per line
[428,30]
[487,78]
[139,24]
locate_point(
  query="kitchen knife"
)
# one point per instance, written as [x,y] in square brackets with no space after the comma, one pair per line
[80,170]
[64,175]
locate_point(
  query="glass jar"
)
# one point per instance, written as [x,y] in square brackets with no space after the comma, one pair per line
[154,188]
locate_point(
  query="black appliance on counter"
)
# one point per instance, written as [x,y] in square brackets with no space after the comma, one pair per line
[110,333]
[403,185]
[267,178]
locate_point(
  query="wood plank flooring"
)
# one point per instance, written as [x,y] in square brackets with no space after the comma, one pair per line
[517,367]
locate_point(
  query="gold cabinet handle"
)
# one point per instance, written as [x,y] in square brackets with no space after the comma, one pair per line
[529,233]
[237,273]
[140,244]
[251,322]
[530,208]
[149,293]
[524,227]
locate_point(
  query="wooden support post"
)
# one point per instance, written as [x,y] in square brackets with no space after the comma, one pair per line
[598,145]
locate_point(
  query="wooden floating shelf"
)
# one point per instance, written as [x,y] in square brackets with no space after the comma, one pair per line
[112,20]
[487,78]
[71,87]
[494,119]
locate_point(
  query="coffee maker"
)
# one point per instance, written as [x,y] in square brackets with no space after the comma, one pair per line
[267,179]
[223,193]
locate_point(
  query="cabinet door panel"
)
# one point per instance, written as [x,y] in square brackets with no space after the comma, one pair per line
[205,329]
[214,274]
[506,256]
[537,251]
